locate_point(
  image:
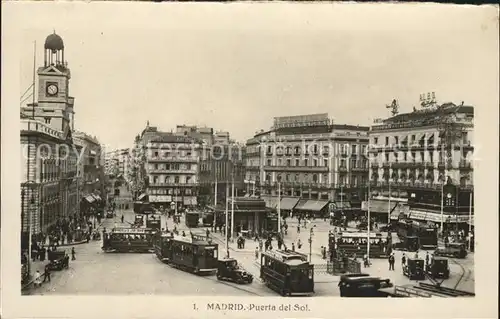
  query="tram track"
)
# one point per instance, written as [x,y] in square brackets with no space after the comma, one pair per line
[463,271]
[210,278]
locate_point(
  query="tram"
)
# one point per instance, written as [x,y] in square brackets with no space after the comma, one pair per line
[355,243]
[286,272]
[192,219]
[126,240]
[427,235]
[162,242]
[194,254]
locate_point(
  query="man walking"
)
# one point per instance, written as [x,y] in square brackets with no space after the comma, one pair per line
[73,253]
[391,261]
[47,273]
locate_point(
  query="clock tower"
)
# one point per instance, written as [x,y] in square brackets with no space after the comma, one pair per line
[55,105]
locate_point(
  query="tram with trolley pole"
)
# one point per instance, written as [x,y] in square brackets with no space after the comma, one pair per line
[427,234]
[355,244]
[128,240]
[192,253]
[287,272]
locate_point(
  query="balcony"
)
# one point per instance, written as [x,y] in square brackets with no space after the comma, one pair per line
[157,184]
[252,168]
[309,185]
[172,159]
[296,168]
[342,168]
[172,171]
[415,184]
[465,165]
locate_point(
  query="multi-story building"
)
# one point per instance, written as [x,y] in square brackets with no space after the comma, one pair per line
[415,154]
[117,162]
[91,179]
[310,157]
[170,167]
[205,134]
[49,158]
[221,167]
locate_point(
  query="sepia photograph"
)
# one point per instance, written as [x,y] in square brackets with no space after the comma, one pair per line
[269,151]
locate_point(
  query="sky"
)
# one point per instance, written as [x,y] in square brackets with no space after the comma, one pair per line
[235,67]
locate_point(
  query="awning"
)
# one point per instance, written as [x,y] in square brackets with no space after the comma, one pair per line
[142,196]
[271,201]
[288,203]
[418,215]
[314,205]
[300,204]
[190,201]
[97,197]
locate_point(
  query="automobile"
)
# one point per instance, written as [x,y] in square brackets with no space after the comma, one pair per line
[363,285]
[438,268]
[57,260]
[414,269]
[110,214]
[454,250]
[228,269]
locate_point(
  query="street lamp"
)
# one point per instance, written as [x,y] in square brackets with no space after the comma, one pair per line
[311,234]
[279,204]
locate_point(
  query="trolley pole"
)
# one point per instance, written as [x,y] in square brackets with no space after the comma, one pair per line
[311,234]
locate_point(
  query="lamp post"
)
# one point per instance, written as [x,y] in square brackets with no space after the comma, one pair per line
[279,204]
[470,220]
[227,220]
[311,234]
[389,206]
[442,206]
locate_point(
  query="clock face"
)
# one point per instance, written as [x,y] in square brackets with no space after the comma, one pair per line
[52,89]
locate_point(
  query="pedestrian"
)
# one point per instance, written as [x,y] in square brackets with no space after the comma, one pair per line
[293,246]
[256,253]
[122,218]
[47,273]
[299,244]
[298,229]
[427,258]
[403,260]
[37,282]
[416,254]
[391,262]
[73,253]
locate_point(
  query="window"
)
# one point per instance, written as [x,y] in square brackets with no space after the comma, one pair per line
[405,156]
[387,140]
[315,161]
[315,149]
[326,149]
[307,150]
[354,149]
[288,162]
[342,163]
[287,177]
[315,178]
[387,157]
[155,179]
[396,140]
[375,140]
[176,179]
[269,163]
[279,162]
[288,150]
[156,154]
[269,150]
[353,163]
[395,157]
[325,163]
[47,120]
[297,150]
[306,162]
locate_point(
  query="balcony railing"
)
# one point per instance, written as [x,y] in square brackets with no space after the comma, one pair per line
[297,168]
[171,171]
[173,159]
[168,184]
[359,169]
[252,168]
[415,184]
[307,185]
[342,168]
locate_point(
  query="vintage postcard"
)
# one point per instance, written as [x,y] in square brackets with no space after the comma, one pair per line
[249,160]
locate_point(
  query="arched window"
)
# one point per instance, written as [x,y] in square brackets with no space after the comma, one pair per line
[315,178]
[287,177]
